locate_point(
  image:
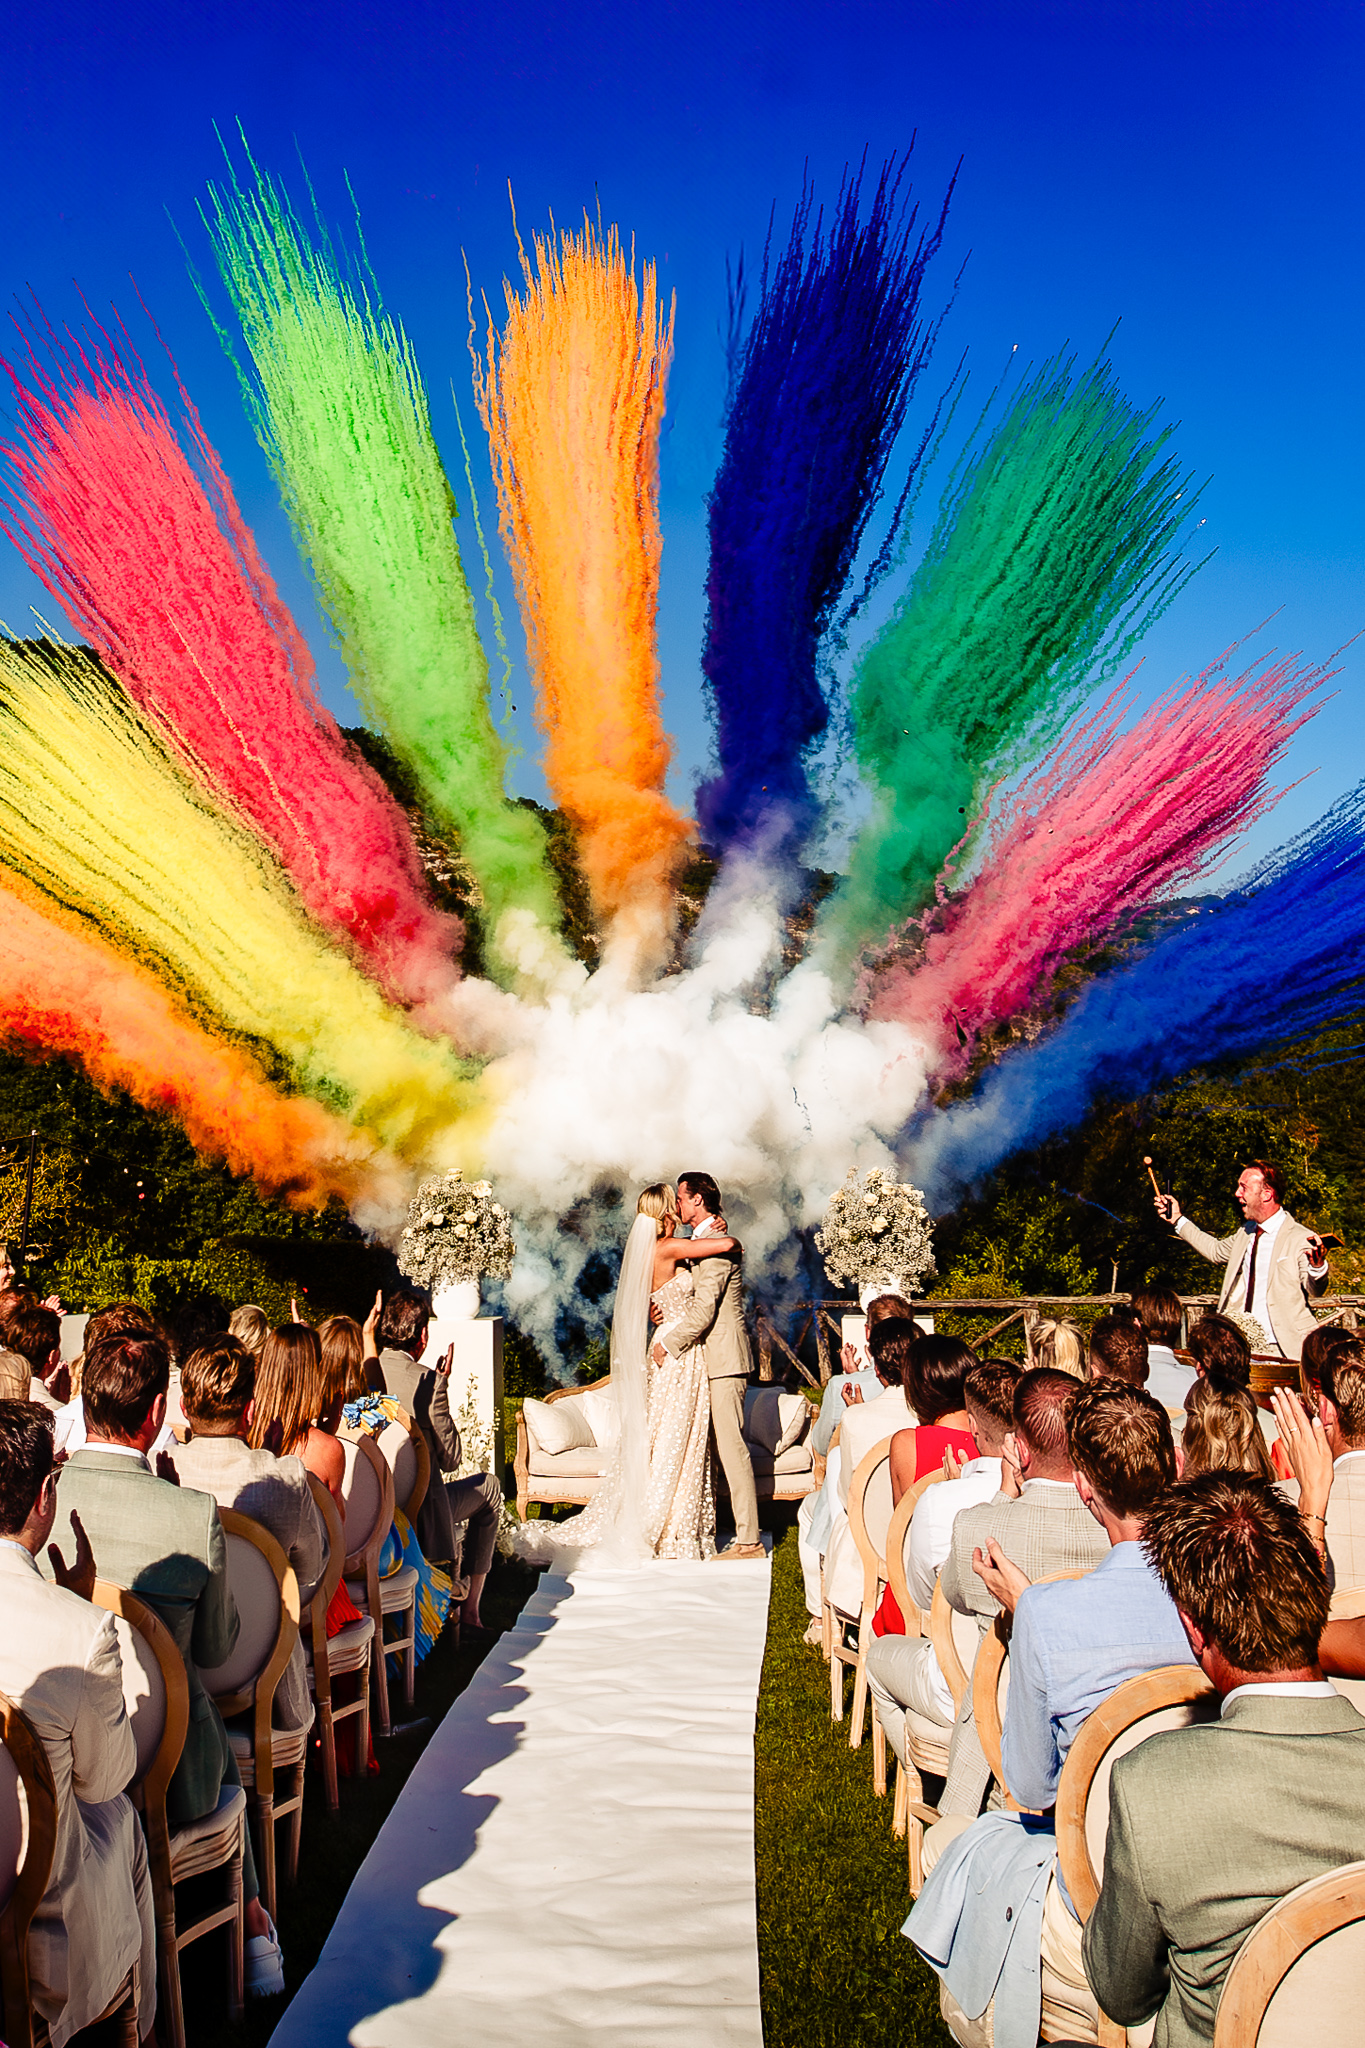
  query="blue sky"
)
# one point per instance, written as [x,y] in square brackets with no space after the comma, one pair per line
[1194,172]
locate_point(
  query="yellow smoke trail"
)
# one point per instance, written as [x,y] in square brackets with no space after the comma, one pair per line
[96,816]
[572,395]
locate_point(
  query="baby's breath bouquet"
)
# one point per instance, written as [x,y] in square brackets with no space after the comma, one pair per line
[874,1228]
[455,1231]
[1256,1335]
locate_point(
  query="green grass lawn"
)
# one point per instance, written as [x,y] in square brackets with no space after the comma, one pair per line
[835,1969]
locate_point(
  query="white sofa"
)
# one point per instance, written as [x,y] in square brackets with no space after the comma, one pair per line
[564,1442]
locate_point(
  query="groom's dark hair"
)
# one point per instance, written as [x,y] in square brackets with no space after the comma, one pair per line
[702,1185]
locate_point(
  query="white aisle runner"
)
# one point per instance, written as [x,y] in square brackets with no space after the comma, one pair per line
[572,1860]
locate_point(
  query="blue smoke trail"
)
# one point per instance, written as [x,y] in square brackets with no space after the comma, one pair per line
[821,387]
[1279,958]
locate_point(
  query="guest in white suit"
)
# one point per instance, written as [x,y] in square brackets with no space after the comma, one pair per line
[59,1662]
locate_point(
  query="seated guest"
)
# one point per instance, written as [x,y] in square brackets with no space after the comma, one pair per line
[453,1506]
[991,1902]
[250,1325]
[1316,1346]
[296,1408]
[35,1332]
[1059,1347]
[165,1544]
[1210,1825]
[59,1662]
[1341,1409]
[1223,1432]
[1160,1312]
[864,1426]
[902,1670]
[1118,1351]
[217,1385]
[343,1356]
[935,1374]
[121,1318]
[854,1381]
[1039,1522]
[1222,1355]
[819,1511]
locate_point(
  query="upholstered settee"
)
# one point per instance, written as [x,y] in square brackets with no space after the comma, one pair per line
[564,1442]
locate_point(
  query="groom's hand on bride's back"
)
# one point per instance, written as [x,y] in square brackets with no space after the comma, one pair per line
[656,1314]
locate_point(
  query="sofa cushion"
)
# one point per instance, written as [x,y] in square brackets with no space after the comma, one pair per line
[796,1458]
[555,1426]
[598,1406]
[585,1461]
[773,1420]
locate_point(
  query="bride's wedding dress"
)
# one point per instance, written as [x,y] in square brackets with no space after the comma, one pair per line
[655,1498]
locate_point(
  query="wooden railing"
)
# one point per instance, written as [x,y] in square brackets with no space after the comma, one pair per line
[822,1321]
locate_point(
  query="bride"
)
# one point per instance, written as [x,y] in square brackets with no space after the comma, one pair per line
[656,1497]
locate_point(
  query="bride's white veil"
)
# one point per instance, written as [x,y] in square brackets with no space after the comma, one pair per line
[611,1529]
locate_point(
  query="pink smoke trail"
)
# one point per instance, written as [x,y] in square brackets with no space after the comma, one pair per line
[156,567]
[65,991]
[1107,822]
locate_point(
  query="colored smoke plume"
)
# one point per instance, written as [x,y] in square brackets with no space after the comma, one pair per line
[64,991]
[159,571]
[341,411]
[1107,823]
[820,391]
[1278,958]
[97,816]
[572,395]
[1053,552]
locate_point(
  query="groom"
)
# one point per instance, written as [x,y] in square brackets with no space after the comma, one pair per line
[716,1322]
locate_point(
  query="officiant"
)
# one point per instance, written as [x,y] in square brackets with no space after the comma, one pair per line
[1275,1268]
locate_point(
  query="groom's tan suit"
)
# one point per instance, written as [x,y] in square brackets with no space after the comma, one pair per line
[715,1320]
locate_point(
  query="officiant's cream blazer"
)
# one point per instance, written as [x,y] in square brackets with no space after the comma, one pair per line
[1290,1287]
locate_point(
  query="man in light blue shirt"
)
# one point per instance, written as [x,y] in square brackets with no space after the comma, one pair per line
[1073,1642]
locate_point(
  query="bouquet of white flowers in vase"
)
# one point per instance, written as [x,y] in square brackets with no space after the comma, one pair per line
[877,1229]
[455,1233]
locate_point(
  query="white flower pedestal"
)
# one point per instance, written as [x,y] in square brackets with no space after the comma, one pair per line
[476,1369]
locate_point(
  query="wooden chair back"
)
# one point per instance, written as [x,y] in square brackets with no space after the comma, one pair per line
[266,1594]
[156,1694]
[405,1451]
[1172,1697]
[367,1504]
[28,1840]
[954,1637]
[897,1540]
[326,1588]
[991,1684]
[869,1518]
[1298,1974]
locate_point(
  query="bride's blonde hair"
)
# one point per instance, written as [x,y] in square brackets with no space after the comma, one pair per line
[660,1203]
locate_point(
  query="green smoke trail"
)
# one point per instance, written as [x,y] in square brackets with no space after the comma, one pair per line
[1053,552]
[341,411]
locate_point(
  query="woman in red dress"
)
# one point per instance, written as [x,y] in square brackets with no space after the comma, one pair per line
[934,1378]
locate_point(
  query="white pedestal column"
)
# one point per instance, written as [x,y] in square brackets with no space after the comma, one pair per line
[476,1370]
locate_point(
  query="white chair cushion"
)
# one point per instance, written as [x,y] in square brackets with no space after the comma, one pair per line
[578,1464]
[558,1425]
[347,1649]
[231,1804]
[395,1592]
[256,1591]
[599,1412]
[287,1746]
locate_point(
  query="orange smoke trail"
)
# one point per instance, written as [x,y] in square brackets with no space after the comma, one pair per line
[63,991]
[572,395]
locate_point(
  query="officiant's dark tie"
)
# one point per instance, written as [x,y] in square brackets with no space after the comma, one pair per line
[1251,1267]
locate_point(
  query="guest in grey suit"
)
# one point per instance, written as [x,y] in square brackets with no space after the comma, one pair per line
[216,1385]
[164,1543]
[1210,1825]
[1040,1523]
[716,1322]
[453,1505]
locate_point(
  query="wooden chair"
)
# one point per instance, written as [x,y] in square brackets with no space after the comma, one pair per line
[897,1536]
[925,1749]
[826,1615]
[28,1841]
[990,1689]
[345,1654]
[156,1693]
[266,1593]
[1298,1974]
[869,1517]
[367,1492]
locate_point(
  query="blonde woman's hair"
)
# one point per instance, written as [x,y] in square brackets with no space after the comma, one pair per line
[1223,1432]
[249,1326]
[659,1202]
[15,1376]
[1060,1346]
[291,1388]
[343,1355]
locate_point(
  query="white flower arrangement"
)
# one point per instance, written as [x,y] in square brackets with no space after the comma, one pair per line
[1256,1335]
[875,1227]
[455,1231]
